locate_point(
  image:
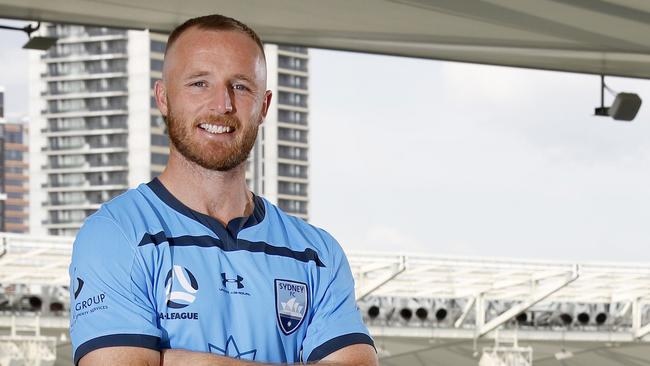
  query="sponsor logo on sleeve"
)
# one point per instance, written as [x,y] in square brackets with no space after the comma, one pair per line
[85,304]
[291,304]
[80,285]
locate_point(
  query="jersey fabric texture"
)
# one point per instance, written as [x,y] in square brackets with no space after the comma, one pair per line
[148,271]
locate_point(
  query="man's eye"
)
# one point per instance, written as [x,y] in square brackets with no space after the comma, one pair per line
[200,84]
[240,87]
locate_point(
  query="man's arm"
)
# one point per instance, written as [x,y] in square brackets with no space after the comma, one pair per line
[127,356]
[354,355]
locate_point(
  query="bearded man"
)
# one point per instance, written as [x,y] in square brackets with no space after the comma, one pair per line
[193,267]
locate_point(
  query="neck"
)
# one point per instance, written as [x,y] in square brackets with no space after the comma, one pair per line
[221,195]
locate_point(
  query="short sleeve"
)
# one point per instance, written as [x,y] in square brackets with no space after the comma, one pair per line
[109,293]
[336,322]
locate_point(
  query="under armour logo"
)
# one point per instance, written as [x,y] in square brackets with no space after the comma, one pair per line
[239,280]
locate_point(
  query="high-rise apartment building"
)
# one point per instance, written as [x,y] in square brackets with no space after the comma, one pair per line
[96,130]
[14,189]
[279,167]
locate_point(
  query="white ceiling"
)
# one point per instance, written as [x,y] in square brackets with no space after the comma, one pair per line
[590,36]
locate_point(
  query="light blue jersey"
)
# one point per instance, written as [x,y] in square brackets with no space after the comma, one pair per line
[147,271]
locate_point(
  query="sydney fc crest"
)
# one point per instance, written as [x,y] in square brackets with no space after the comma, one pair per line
[291,304]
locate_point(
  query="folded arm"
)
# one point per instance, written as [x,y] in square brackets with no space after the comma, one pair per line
[357,355]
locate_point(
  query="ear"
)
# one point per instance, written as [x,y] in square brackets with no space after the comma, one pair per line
[160,94]
[266,104]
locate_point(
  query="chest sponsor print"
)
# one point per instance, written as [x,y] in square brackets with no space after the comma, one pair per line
[291,304]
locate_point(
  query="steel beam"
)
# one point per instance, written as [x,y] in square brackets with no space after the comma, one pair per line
[536,297]
[367,289]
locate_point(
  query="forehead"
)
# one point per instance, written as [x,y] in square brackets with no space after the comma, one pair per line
[201,48]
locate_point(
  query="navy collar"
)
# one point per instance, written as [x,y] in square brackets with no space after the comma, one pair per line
[226,234]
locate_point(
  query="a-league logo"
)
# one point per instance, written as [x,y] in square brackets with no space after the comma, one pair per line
[183,278]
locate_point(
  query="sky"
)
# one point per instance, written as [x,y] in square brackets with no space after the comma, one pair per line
[441,158]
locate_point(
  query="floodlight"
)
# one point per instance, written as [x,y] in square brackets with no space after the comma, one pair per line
[4,302]
[30,303]
[56,307]
[406,314]
[583,318]
[601,318]
[373,311]
[566,319]
[58,299]
[625,105]
[422,313]
[441,314]
[37,42]
[521,318]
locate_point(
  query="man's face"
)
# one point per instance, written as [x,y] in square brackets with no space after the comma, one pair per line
[214,96]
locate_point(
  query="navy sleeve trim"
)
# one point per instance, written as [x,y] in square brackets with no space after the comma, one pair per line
[117,340]
[337,343]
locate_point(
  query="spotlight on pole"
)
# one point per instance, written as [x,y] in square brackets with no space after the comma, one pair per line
[34,43]
[601,318]
[625,105]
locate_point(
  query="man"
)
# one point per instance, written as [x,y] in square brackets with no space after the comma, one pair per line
[192,267]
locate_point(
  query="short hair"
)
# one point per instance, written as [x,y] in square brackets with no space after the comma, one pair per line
[215,22]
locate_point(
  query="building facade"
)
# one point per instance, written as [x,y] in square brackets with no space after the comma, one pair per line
[97,131]
[14,188]
[279,167]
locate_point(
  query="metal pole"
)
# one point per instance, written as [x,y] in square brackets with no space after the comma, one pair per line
[602,91]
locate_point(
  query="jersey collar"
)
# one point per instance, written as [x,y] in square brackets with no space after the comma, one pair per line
[229,232]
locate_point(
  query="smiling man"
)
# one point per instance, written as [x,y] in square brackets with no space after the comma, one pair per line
[192,267]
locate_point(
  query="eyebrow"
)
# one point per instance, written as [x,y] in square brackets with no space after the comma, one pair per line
[197,74]
[244,78]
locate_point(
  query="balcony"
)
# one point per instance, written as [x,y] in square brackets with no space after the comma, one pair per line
[293,136]
[293,100]
[86,71]
[294,153]
[88,49]
[292,63]
[55,126]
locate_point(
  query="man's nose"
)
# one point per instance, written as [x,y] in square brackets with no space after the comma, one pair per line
[221,100]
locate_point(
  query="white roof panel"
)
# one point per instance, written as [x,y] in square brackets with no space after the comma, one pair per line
[587,36]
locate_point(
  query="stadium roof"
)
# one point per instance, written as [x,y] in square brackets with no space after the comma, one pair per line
[588,36]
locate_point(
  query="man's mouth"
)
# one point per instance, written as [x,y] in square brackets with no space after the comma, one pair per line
[216,129]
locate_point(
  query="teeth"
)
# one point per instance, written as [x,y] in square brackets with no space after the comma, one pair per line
[215,128]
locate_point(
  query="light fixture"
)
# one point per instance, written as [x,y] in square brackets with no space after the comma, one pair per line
[583,318]
[406,313]
[441,314]
[422,313]
[30,303]
[34,43]
[373,311]
[625,105]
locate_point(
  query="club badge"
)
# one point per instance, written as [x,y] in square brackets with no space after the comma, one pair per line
[291,304]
